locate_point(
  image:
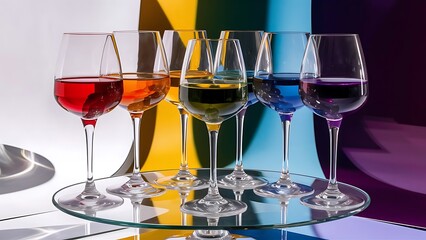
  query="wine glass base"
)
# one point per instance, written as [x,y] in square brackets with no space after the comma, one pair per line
[210,234]
[323,201]
[283,191]
[136,187]
[89,203]
[240,180]
[219,207]
[182,181]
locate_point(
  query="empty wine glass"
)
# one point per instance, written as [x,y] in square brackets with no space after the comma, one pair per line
[88,84]
[146,82]
[175,43]
[217,94]
[333,83]
[250,43]
[276,82]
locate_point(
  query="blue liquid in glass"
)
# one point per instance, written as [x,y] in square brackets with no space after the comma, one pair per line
[279,91]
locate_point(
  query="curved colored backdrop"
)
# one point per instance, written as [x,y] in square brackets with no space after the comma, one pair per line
[263,137]
[380,149]
[262,130]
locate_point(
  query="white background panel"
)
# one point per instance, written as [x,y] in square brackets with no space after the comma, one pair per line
[30,118]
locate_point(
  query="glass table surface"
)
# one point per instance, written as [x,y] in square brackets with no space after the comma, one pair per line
[163,212]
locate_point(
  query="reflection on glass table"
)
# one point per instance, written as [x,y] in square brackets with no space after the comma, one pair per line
[163,212]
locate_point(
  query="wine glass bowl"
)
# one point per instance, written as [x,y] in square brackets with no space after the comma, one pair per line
[333,84]
[146,83]
[175,44]
[143,91]
[88,84]
[275,84]
[217,94]
[250,43]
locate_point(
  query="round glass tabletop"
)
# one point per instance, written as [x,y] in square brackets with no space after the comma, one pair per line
[163,212]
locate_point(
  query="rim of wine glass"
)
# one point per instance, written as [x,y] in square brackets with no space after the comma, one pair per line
[214,39]
[242,31]
[287,32]
[217,40]
[185,30]
[88,33]
[136,31]
[335,34]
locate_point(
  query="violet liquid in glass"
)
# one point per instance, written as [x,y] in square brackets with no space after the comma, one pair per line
[333,97]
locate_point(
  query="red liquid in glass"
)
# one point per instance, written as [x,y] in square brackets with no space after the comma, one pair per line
[88,97]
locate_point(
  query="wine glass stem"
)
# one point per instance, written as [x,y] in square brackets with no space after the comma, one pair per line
[183,126]
[89,130]
[90,190]
[213,130]
[238,194]
[212,221]
[240,127]
[136,138]
[183,196]
[285,121]
[284,209]
[136,211]
[333,127]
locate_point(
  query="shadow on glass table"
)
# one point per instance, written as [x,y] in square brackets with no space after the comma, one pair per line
[22,169]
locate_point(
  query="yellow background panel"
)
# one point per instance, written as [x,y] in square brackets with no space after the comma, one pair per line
[164,152]
[168,14]
[182,14]
[165,147]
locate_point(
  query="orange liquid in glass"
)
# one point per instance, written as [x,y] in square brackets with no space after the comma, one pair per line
[143,91]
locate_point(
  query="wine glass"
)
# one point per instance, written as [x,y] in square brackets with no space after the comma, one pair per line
[250,42]
[175,43]
[88,84]
[333,83]
[146,82]
[276,82]
[217,94]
